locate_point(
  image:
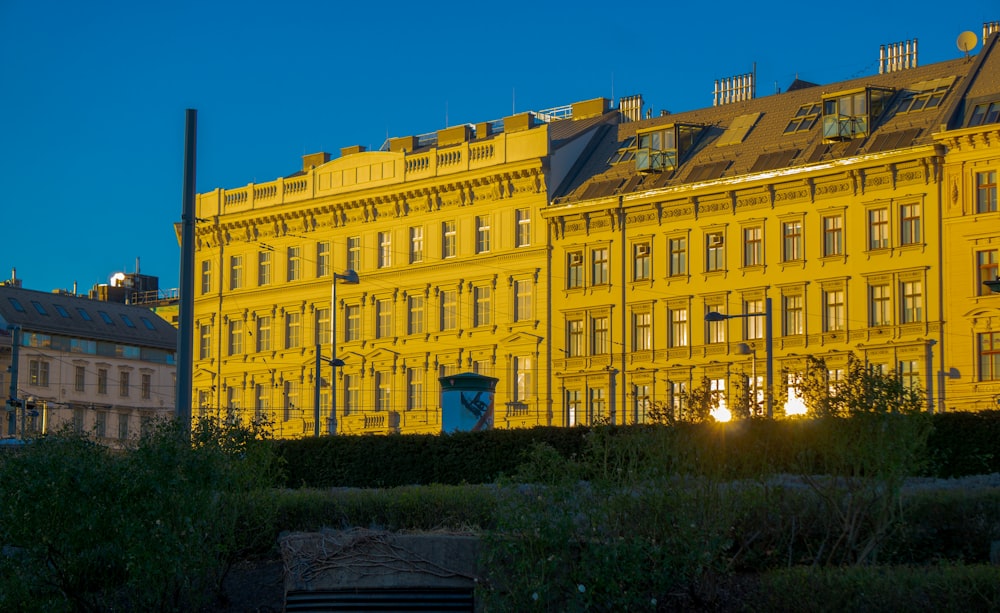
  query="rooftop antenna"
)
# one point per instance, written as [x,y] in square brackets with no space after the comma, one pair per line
[966,42]
[513,105]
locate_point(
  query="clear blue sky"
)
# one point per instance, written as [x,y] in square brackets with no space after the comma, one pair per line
[93,94]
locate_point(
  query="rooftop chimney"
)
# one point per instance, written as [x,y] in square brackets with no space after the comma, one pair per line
[630,107]
[735,89]
[897,56]
[314,159]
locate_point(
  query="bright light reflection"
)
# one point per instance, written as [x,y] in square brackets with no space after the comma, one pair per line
[721,413]
[795,404]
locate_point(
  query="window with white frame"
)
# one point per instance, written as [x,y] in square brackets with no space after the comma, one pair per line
[449,240]
[294,263]
[642,331]
[235,343]
[986,192]
[352,323]
[572,407]
[678,256]
[415,315]
[834,310]
[793,319]
[206,276]
[264,267]
[383,318]
[989,356]
[323,259]
[753,246]
[353,253]
[599,266]
[522,237]
[878,228]
[414,389]
[383,390]
[523,378]
[597,411]
[754,324]
[912,296]
[715,330]
[522,300]
[482,297]
[293,330]
[574,269]
[833,235]
[322,326]
[263,333]
[986,270]
[599,335]
[384,249]
[235,271]
[204,341]
[416,244]
[909,223]
[791,238]
[641,399]
[482,233]
[642,261]
[678,327]
[574,338]
[449,309]
[715,253]
[879,304]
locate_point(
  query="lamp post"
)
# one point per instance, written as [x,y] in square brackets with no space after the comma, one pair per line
[768,347]
[349,277]
[993,285]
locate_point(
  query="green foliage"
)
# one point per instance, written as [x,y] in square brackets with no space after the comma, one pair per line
[152,528]
[965,443]
[862,389]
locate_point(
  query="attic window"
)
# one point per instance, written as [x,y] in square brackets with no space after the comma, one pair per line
[128,322]
[17,305]
[738,130]
[851,115]
[107,318]
[925,95]
[84,314]
[983,114]
[625,153]
[147,323]
[62,311]
[661,149]
[38,307]
[804,119]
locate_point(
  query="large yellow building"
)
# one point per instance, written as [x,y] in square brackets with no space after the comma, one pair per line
[574,255]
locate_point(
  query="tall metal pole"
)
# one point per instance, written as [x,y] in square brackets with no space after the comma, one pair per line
[185,322]
[13,402]
[333,355]
[769,351]
[317,380]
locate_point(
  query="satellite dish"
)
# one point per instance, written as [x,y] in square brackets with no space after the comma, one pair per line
[966,42]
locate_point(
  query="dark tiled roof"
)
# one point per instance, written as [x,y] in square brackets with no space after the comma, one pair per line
[765,146]
[52,313]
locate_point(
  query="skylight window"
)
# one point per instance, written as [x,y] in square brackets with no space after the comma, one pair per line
[924,95]
[738,130]
[17,305]
[62,311]
[128,322]
[107,318]
[147,323]
[38,307]
[804,119]
[84,314]
[625,153]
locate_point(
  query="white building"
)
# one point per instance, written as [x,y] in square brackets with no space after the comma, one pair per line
[100,367]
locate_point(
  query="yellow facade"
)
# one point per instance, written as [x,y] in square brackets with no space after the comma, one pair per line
[450,251]
[575,255]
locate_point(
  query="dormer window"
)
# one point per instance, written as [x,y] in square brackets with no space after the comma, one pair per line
[660,149]
[850,115]
[924,95]
[804,119]
[985,113]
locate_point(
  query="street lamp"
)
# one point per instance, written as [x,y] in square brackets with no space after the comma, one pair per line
[994,285]
[349,277]
[768,346]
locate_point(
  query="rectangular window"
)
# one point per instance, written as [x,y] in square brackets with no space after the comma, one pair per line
[878,228]
[383,318]
[322,326]
[294,261]
[678,256]
[791,234]
[572,407]
[986,265]
[262,400]
[414,389]
[449,309]
[384,249]
[522,236]
[642,331]
[522,300]
[989,356]
[753,253]
[264,268]
[352,323]
[102,381]
[482,296]
[235,271]
[880,305]
[641,262]
[986,192]
[352,395]
[449,240]
[39,373]
[293,330]
[80,380]
[678,397]
[322,259]
[596,410]
[523,378]
[206,276]
[123,383]
[574,338]
[678,327]
[205,341]
[909,224]
[290,398]
[834,315]
[793,320]
[482,233]
[574,269]
[383,389]
[101,424]
[263,333]
[354,253]
[599,336]
[833,235]
[599,267]
[641,394]
[483,367]
[415,317]
[913,302]
[416,244]
[123,426]
[716,330]
[146,386]
[235,336]
[754,325]
[715,254]
[909,373]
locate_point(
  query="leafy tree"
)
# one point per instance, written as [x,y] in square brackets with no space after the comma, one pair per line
[864,388]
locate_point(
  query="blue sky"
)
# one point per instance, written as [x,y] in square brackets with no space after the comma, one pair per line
[93,94]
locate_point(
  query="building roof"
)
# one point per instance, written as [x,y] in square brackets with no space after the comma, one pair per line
[78,317]
[754,136]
